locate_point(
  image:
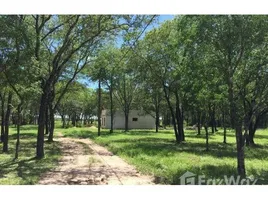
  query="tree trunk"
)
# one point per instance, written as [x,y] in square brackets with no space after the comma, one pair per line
[198,129]
[41,126]
[156,119]
[47,121]
[252,129]
[235,122]
[224,135]
[240,151]
[224,128]
[126,121]
[7,118]
[18,131]
[179,118]
[206,129]
[166,121]
[99,108]
[126,107]
[212,119]
[156,101]
[212,128]
[2,119]
[85,120]
[251,134]
[52,123]
[181,125]
[51,114]
[73,119]
[111,107]
[63,121]
[172,114]
[68,121]
[247,120]
[198,122]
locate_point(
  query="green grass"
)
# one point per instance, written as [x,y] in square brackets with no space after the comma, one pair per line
[152,153]
[26,170]
[159,155]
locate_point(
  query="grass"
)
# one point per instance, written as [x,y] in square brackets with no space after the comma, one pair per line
[93,160]
[26,170]
[159,155]
[152,153]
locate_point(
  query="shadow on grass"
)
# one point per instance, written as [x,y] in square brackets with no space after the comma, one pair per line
[195,135]
[27,169]
[168,147]
[29,127]
[164,146]
[261,136]
[151,143]
[155,146]
[23,136]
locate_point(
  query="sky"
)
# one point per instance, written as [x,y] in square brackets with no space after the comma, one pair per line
[162,18]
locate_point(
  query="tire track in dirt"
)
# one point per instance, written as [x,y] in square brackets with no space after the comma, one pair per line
[86,163]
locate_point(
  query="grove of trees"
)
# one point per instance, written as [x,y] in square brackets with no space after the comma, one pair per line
[207,70]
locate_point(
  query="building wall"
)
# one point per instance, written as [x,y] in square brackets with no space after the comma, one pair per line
[136,120]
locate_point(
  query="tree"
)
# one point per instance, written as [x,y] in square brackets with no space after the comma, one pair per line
[232,38]
[80,34]
[17,73]
[126,88]
[79,103]
[167,55]
[104,70]
[156,56]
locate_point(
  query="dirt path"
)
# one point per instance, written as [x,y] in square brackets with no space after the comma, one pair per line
[86,163]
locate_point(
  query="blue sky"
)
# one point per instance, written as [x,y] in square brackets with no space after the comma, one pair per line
[161,19]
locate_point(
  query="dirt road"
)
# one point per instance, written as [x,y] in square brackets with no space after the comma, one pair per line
[86,163]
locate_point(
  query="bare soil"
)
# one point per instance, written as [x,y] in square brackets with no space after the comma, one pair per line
[86,163]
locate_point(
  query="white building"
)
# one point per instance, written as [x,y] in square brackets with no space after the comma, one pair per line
[136,120]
